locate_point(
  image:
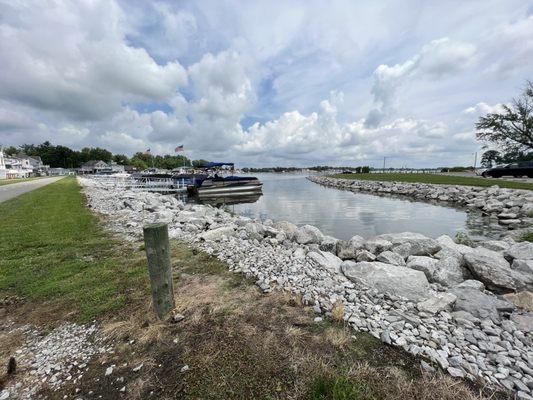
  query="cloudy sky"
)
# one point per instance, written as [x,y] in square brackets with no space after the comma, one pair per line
[264,82]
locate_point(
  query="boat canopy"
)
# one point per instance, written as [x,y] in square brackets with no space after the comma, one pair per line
[217,164]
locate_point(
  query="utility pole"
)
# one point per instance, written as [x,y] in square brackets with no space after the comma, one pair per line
[384,158]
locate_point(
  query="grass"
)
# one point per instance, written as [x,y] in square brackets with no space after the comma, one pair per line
[339,388]
[10,181]
[54,250]
[437,179]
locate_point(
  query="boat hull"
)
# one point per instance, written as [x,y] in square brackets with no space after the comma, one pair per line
[215,190]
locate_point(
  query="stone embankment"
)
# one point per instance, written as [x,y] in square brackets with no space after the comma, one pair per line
[466,310]
[512,208]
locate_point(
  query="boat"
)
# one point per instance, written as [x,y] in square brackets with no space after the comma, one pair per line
[229,184]
[219,185]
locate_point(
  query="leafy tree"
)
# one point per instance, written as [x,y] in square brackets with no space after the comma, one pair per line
[490,157]
[121,159]
[512,130]
[139,164]
[10,150]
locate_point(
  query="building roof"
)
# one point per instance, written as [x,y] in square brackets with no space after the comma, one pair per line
[92,163]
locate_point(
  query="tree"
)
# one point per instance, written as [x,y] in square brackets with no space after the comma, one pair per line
[490,157]
[10,150]
[512,129]
[139,164]
[121,159]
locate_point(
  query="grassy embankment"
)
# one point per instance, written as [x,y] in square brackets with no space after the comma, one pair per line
[54,250]
[237,342]
[10,181]
[437,180]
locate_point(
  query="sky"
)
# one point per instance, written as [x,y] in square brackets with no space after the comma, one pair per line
[263,83]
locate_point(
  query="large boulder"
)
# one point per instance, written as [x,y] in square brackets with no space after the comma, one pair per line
[329,243]
[347,250]
[425,264]
[447,242]
[390,257]
[377,245]
[308,234]
[496,245]
[448,271]
[439,302]
[519,251]
[420,245]
[255,230]
[523,266]
[522,299]
[326,260]
[524,322]
[492,269]
[217,234]
[390,279]
[286,227]
[479,304]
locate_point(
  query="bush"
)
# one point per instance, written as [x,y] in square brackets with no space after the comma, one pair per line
[365,169]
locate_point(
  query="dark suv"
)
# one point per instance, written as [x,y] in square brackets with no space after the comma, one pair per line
[517,170]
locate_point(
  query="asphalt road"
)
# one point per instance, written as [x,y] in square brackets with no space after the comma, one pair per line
[12,190]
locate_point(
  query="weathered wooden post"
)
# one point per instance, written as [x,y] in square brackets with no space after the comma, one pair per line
[159,267]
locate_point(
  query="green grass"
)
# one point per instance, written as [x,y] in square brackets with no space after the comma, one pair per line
[10,181]
[53,249]
[437,180]
[339,388]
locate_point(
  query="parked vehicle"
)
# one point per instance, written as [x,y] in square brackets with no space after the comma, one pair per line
[518,169]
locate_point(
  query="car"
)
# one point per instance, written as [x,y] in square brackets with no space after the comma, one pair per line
[517,169]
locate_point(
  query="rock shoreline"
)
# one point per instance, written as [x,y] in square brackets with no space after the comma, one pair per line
[511,208]
[467,310]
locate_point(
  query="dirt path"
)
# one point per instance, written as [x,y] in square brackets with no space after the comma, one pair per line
[8,192]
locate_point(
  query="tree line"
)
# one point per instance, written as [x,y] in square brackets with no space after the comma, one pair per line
[64,157]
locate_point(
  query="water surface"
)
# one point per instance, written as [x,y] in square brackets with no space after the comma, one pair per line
[342,213]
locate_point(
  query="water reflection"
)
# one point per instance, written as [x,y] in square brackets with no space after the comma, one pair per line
[342,213]
[229,199]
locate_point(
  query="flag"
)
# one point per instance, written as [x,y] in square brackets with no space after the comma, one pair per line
[179,148]
[147,151]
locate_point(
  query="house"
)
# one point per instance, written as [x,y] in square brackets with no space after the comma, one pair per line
[17,167]
[116,168]
[35,163]
[93,167]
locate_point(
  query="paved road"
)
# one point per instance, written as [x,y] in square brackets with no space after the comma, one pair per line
[16,189]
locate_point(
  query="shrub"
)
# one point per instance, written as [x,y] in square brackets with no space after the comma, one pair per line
[365,169]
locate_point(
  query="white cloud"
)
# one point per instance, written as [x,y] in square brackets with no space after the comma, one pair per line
[71,59]
[437,59]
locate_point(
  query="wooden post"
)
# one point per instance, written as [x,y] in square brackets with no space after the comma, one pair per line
[159,267]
